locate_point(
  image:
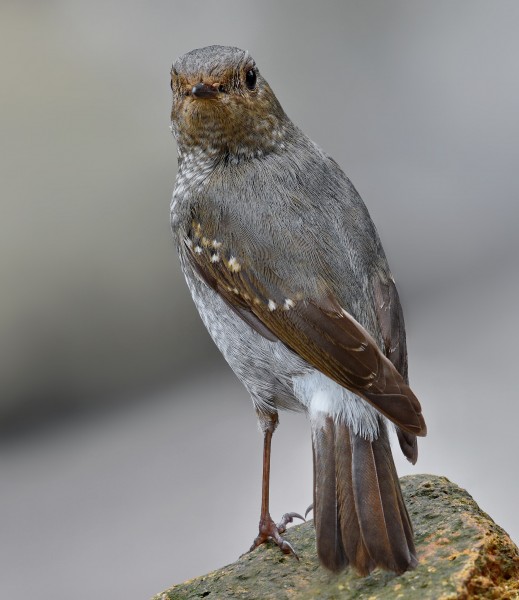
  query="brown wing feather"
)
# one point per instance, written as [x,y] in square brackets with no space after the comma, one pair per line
[321,332]
[391,322]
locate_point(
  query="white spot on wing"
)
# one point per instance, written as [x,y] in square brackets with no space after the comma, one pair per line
[272,305]
[233,264]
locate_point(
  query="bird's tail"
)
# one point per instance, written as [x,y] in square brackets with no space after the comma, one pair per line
[359,512]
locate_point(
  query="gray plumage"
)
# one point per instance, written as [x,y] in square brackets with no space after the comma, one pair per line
[288,273]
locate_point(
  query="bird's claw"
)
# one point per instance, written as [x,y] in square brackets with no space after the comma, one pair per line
[309,509]
[286,519]
[268,530]
[287,548]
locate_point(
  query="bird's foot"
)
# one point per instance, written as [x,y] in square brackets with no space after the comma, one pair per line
[268,530]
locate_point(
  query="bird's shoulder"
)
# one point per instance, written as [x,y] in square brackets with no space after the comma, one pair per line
[297,194]
[293,215]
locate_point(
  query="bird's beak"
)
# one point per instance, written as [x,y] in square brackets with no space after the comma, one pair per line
[202,90]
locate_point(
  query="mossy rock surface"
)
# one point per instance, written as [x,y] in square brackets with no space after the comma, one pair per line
[463,555]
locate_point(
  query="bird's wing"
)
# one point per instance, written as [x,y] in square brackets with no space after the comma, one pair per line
[390,318]
[318,330]
[391,322]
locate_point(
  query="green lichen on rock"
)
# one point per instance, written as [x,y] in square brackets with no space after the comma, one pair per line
[463,555]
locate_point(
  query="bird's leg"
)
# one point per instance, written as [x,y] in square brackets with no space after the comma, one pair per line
[268,530]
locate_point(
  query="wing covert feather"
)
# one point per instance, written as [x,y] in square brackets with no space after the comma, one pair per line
[318,330]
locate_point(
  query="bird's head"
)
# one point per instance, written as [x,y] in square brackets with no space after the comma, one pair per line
[222,104]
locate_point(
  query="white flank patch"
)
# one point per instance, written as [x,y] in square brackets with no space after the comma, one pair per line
[322,396]
[272,305]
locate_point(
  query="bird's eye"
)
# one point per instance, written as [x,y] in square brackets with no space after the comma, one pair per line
[250,79]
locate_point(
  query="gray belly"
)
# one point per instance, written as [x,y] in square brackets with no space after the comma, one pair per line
[264,367]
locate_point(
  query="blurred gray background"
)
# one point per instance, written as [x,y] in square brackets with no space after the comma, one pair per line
[129,455]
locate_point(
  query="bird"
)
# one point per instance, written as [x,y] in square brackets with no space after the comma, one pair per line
[288,274]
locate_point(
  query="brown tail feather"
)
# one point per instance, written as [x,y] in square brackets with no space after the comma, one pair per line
[354,547]
[408,444]
[329,542]
[360,515]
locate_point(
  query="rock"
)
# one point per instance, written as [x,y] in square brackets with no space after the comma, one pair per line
[463,555]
